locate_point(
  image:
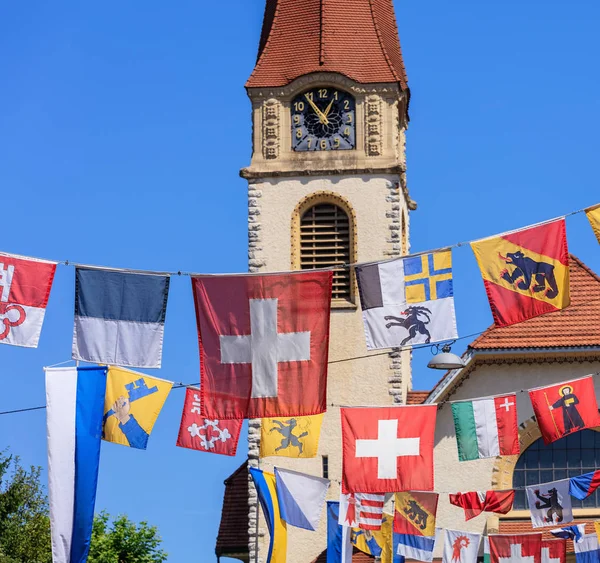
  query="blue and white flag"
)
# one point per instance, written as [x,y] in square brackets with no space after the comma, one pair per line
[339,538]
[301,497]
[416,547]
[119,317]
[587,550]
[75,405]
[574,533]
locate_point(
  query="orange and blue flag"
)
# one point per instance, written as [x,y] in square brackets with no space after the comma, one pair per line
[526,273]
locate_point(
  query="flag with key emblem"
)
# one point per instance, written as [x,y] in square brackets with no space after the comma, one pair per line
[387,449]
[25,285]
[263,344]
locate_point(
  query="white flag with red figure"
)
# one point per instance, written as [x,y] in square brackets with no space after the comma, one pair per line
[387,449]
[362,510]
[25,285]
[523,548]
[263,344]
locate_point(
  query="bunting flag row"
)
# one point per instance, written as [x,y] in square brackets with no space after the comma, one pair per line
[120,315]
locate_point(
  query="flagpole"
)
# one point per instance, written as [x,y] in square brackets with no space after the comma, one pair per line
[551,413]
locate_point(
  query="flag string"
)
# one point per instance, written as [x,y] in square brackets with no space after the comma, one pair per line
[324,269]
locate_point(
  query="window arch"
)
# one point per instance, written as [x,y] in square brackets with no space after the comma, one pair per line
[323,236]
[568,457]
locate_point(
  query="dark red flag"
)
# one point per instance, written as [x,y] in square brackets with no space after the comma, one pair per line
[565,408]
[198,432]
[264,342]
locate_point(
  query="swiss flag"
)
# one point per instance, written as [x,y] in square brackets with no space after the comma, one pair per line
[263,344]
[565,408]
[197,432]
[523,548]
[387,449]
[554,551]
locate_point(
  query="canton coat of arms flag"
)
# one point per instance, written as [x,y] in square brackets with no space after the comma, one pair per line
[414,513]
[554,551]
[132,404]
[387,449]
[593,215]
[362,510]
[587,550]
[525,273]
[25,285]
[297,436]
[119,317]
[476,502]
[460,547]
[565,408]
[263,342]
[407,301]
[523,548]
[197,432]
[550,503]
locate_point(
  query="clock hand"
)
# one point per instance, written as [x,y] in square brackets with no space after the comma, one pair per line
[322,117]
[326,112]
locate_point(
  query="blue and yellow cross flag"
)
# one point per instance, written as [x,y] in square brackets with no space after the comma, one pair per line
[296,436]
[132,404]
[408,301]
[267,496]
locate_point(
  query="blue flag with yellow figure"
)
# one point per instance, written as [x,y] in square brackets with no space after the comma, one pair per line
[296,436]
[132,404]
[408,301]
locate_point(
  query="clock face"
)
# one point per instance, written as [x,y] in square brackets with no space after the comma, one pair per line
[323,119]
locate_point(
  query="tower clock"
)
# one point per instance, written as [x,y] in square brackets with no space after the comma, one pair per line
[323,119]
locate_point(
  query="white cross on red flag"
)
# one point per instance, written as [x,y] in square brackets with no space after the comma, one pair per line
[263,344]
[522,548]
[387,449]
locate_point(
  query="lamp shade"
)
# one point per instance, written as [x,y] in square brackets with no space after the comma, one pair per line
[446,360]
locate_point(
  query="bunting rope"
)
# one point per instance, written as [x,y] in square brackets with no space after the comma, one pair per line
[324,269]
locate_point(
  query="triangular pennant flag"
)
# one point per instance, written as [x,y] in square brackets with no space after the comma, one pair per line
[301,497]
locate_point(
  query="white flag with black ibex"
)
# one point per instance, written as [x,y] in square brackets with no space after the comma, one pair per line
[408,301]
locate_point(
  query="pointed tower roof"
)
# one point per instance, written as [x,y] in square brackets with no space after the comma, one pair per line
[356,38]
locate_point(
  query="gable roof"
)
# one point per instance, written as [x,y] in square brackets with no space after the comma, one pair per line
[576,326]
[356,38]
[232,539]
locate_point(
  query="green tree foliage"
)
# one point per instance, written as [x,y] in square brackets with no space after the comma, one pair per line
[124,542]
[25,525]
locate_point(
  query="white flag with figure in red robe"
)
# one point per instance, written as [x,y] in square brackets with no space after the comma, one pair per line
[25,285]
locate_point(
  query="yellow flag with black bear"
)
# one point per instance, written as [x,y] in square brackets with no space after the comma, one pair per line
[132,404]
[296,436]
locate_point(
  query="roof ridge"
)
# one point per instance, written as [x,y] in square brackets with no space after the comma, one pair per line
[262,50]
[583,265]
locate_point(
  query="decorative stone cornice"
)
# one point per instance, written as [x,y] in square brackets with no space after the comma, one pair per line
[255,174]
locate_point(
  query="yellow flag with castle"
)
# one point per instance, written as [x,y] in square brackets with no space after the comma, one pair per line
[296,436]
[593,215]
[132,404]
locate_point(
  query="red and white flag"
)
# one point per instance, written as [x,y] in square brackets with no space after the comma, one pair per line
[387,449]
[523,548]
[554,551]
[263,344]
[361,510]
[565,408]
[476,502]
[25,285]
[198,432]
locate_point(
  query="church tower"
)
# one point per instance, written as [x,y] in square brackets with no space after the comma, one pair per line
[327,187]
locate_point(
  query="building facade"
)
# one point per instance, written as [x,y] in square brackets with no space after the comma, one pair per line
[327,187]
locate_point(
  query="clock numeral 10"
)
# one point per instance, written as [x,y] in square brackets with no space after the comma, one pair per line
[299,106]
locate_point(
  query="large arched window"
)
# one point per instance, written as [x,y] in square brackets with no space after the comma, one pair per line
[323,236]
[568,457]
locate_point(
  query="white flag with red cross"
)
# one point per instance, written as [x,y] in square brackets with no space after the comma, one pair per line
[25,285]
[388,449]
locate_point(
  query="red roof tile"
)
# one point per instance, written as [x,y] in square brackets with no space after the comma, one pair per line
[416,397]
[356,38]
[525,527]
[574,327]
[232,539]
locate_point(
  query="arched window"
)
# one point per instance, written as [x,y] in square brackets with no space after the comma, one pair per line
[323,236]
[568,457]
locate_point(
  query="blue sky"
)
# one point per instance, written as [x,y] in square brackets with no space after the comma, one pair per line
[123,127]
